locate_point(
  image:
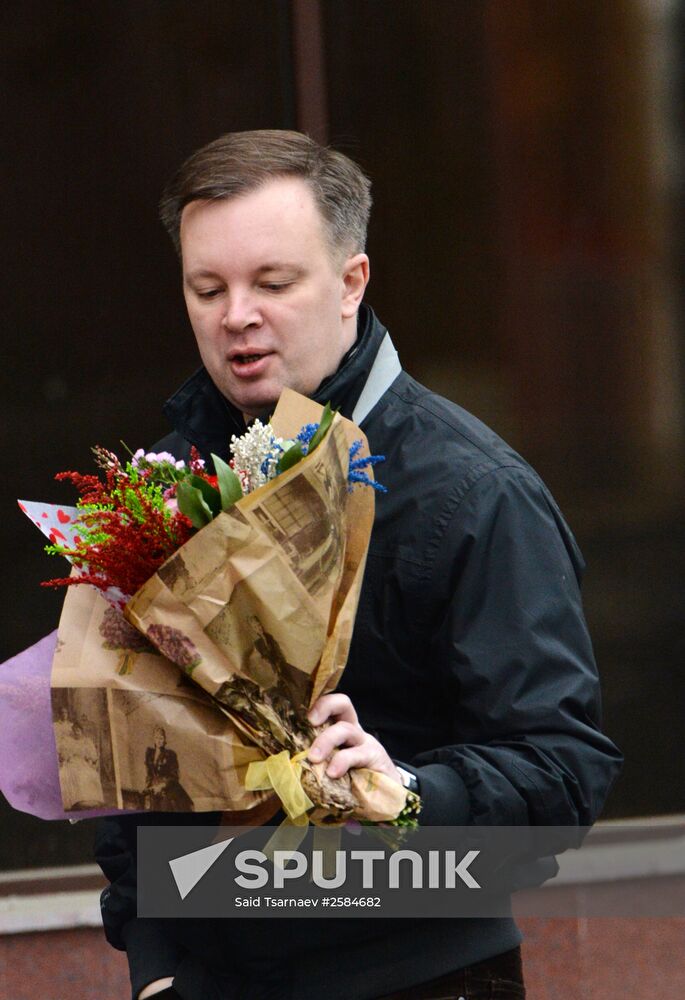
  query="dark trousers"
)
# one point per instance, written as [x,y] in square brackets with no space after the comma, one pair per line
[498,978]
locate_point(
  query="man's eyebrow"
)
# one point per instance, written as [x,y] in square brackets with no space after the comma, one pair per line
[199,273]
[278,266]
[292,269]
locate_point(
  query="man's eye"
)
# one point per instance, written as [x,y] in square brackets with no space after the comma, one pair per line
[277,286]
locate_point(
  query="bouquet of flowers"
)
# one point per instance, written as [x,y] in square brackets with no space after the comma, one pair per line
[247,579]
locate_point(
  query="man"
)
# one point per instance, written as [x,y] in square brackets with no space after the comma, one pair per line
[470,661]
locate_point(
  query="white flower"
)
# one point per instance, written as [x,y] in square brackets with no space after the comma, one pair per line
[256,454]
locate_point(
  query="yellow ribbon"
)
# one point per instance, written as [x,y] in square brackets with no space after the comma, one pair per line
[283,773]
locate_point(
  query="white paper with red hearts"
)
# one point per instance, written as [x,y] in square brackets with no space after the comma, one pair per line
[58,524]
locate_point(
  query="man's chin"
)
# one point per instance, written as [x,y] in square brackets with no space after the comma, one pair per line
[259,399]
[251,405]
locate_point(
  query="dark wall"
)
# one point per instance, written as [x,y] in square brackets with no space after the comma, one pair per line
[409,97]
[101,102]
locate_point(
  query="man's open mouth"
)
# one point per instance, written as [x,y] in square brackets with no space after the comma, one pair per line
[245,359]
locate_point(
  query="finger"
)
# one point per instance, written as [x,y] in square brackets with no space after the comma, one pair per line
[369,754]
[338,735]
[336,705]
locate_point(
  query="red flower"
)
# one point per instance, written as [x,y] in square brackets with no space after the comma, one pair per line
[127,536]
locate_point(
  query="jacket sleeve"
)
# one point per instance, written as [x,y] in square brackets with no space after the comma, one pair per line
[513,656]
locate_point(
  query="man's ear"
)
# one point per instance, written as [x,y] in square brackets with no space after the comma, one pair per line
[355,278]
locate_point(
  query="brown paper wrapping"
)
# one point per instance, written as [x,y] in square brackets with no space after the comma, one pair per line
[257,610]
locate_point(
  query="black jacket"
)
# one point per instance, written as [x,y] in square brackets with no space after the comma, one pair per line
[470,661]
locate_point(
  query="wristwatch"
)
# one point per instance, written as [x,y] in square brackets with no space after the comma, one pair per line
[408,778]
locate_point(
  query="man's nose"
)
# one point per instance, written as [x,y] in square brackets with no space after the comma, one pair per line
[241,312]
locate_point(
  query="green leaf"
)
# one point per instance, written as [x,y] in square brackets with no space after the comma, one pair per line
[322,429]
[192,504]
[210,495]
[229,485]
[291,457]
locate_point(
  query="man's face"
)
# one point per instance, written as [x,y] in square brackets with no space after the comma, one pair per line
[267,304]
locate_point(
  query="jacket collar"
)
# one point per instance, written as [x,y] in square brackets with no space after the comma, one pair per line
[200,413]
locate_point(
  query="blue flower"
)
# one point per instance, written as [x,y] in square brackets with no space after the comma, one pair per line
[355,473]
[305,436]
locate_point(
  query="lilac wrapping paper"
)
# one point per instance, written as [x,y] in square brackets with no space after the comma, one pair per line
[29,775]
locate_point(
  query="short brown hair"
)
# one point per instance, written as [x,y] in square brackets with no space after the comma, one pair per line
[239,162]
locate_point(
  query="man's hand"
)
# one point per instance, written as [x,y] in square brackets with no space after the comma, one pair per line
[359,748]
